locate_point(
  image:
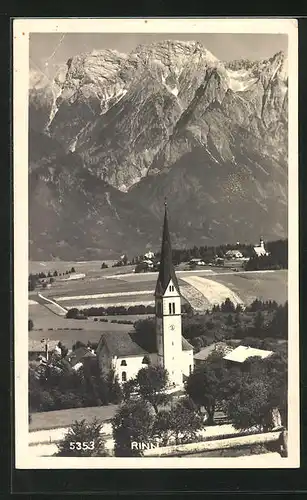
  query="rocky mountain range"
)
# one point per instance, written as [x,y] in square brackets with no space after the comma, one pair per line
[112,135]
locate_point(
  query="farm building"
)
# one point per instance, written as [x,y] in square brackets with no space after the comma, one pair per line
[37,348]
[170,350]
[149,255]
[242,353]
[202,356]
[79,357]
[197,262]
[233,254]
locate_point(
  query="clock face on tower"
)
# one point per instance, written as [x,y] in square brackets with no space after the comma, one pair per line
[172,327]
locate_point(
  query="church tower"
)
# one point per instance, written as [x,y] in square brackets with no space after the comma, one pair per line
[168,312]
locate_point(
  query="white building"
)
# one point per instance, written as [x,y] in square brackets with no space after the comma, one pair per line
[260,249]
[242,353]
[126,356]
[233,254]
[149,255]
[218,347]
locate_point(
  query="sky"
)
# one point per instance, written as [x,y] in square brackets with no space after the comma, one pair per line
[57,48]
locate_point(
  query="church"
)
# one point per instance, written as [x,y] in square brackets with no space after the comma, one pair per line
[260,250]
[126,354]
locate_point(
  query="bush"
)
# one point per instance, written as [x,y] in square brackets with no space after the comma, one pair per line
[83,432]
[73,313]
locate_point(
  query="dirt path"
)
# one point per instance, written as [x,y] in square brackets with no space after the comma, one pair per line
[212,291]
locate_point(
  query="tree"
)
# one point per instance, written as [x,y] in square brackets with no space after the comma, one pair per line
[229,320]
[149,384]
[145,334]
[259,322]
[142,267]
[239,308]
[133,422]
[55,273]
[32,282]
[64,349]
[115,391]
[72,270]
[261,391]
[77,344]
[250,406]
[207,384]
[73,313]
[104,266]
[30,324]
[228,306]
[180,423]
[83,440]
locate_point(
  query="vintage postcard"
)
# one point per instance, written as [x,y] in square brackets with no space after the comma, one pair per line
[156,243]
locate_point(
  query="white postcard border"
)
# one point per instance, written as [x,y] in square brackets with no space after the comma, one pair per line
[21,30]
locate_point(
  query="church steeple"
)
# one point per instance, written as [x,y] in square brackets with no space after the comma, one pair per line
[166,270]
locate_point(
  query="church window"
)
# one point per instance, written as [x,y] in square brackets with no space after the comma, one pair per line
[171,307]
[171,288]
[123,363]
[124,376]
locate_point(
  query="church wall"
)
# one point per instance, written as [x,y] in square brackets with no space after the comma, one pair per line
[132,367]
[187,361]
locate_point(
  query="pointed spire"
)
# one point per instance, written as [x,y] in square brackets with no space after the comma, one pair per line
[166,271]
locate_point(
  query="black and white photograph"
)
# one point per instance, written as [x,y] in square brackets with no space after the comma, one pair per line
[156,243]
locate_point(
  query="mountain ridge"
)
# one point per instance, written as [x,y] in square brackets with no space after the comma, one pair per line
[168,119]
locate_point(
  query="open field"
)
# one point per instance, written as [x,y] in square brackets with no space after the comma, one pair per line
[65,418]
[91,266]
[202,288]
[212,291]
[44,318]
[251,286]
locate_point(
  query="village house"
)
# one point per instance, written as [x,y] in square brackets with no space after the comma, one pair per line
[124,354]
[38,349]
[241,353]
[79,357]
[218,347]
[233,254]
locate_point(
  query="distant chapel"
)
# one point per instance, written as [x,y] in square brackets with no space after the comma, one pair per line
[122,353]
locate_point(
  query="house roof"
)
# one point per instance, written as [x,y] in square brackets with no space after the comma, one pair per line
[185,345]
[166,268]
[79,354]
[121,344]
[242,353]
[39,346]
[204,353]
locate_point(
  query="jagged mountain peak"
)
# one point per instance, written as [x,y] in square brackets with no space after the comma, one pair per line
[167,119]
